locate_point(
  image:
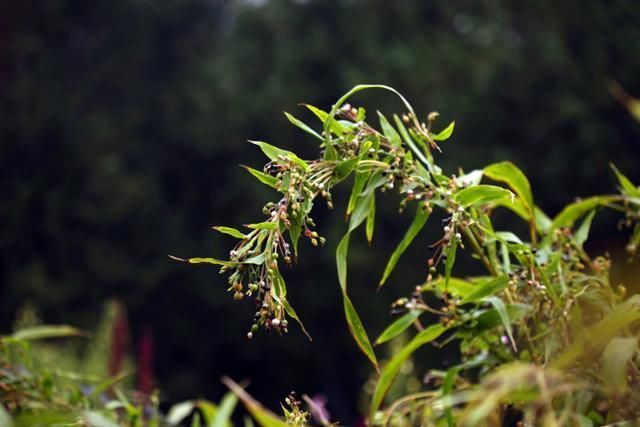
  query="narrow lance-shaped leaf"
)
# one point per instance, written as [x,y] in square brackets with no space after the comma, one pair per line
[582,234]
[389,132]
[615,360]
[626,184]
[230,231]
[263,416]
[398,326]
[504,317]
[601,333]
[303,126]
[357,330]
[417,224]
[47,331]
[358,185]
[511,175]
[264,178]
[488,288]
[274,153]
[445,133]
[392,368]
[371,219]
[451,259]
[482,195]
[223,414]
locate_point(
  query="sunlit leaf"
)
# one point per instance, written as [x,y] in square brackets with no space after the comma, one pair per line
[627,186]
[398,326]
[417,224]
[224,411]
[275,153]
[445,133]
[263,226]
[511,175]
[264,178]
[180,411]
[488,288]
[230,231]
[303,126]
[615,360]
[47,331]
[574,211]
[482,195]
[335,126]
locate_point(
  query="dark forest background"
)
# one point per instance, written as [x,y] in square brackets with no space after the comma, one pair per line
[122,123]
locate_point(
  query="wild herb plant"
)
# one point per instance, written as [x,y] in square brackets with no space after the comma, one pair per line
[544,337]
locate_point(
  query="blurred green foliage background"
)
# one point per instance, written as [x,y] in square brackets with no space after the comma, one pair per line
[122,123]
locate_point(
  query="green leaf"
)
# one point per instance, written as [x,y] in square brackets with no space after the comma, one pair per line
[417,224]
[371,219]
[627,186]
[5,418]
[504,318]
[341,261]
[582,234]
[389,132]
[47,331]
[263,416]
[424,157]
[224,411]
[357,330]
[615,360]
[598,335]
[263,226]
[511,175]
[445,133]
[292,313]
[488,288]
[335,126]
[392,368]
[207,261]
[230,231]
[572,212]
[303,126]
[482,195]
[458,287]
[358,185]
[264,178]
[448,265]
[180,411]
[275,153]
[543,222]
[398,326]
[344,169]
[95,419]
